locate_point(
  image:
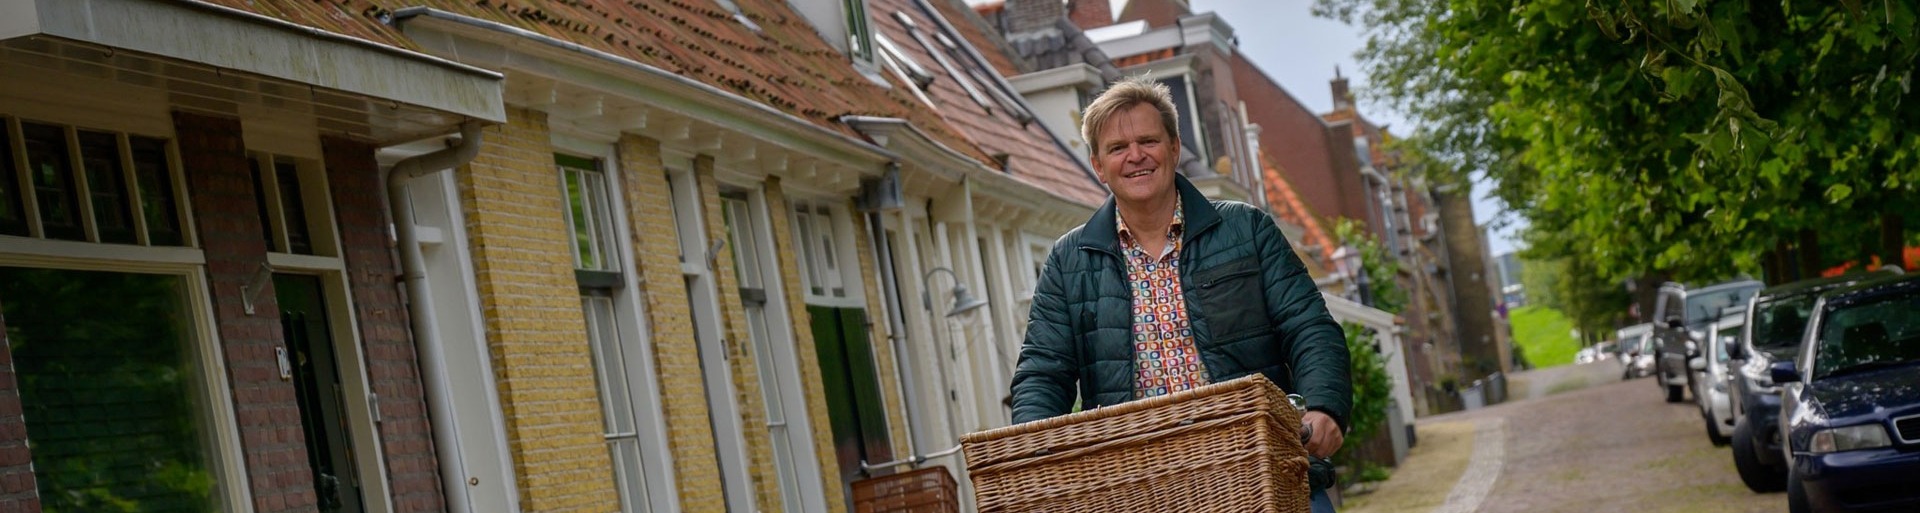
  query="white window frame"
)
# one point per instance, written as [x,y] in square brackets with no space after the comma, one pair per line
[717,376]
[29,201]
[796,463]
[222,426]
[811,260]
[656,456]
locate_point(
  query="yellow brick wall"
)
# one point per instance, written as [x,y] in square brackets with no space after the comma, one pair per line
[804,346]
[741,356]
[882,347]
[676,351]
[543,364]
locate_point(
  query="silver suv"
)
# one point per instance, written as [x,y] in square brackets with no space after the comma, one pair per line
[1681,316]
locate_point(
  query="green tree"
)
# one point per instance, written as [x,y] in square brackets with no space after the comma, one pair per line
[1693,137]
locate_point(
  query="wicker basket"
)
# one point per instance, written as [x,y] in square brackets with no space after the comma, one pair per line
[928,490]
[1229,447]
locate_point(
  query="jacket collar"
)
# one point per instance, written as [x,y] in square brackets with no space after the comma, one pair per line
[1103,230]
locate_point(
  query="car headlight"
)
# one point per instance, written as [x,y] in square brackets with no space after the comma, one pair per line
[1850,438]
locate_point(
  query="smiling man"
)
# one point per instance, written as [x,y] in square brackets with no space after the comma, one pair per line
[1164,290]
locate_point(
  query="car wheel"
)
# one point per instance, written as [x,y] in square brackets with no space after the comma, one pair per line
[1674,393]
[1797,495]
[1713,433]
[1757,476]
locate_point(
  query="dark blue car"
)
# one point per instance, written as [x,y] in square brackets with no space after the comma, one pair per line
[1850,404]
[1776,324]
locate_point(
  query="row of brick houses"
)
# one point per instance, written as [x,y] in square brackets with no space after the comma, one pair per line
[484,255]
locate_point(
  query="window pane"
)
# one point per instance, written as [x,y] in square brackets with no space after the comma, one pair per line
[809,259]
[107,186]
[293,208]
[157,203]
[260,202]
[629,474]
[53,187]
[602,209]
[616,398]
[830,277]
[769,380]
[746,252]
[112,402]
[13,215]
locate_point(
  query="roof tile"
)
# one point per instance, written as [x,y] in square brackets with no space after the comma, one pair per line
[1032,155]
[785,64]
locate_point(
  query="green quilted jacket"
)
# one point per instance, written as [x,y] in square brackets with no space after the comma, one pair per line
[1250,303]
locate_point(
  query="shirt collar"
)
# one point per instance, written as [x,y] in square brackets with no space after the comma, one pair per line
[1173,228]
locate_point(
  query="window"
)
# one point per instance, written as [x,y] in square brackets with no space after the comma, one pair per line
[290,195]
[87,185]
[616,398]
[859,35]
[767,332]
[612,309]
[588,213]
[1183,105]
[818,232]
[118,408]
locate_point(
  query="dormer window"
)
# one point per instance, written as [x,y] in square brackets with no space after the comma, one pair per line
[859,35]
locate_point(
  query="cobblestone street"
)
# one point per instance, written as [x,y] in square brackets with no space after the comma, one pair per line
[1591,443]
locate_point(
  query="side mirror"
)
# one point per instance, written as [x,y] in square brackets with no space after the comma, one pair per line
[1783,372]
[1697,363]
[1734,351]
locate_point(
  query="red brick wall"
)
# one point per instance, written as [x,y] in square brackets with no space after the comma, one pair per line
[405,435]
[17,492]
[229,224]
[1291,135]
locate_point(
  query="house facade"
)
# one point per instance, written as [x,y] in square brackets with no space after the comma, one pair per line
[463,256]
[199,302]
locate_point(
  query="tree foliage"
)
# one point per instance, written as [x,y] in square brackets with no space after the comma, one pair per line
[1372,389]
[1382,269]
[1686,136]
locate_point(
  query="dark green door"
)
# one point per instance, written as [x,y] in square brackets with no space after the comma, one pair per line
[316,382]
[852,387]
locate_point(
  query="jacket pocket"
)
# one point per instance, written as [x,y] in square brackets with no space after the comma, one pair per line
[1233,299]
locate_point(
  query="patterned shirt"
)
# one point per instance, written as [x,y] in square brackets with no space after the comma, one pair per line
[1165,359]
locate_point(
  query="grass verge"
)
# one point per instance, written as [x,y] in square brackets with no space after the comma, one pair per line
[1544,335]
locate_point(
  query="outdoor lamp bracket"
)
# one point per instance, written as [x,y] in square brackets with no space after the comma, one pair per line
[963,300]
[250,292]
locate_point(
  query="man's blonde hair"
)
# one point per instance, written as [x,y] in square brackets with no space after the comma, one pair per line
[1123,95]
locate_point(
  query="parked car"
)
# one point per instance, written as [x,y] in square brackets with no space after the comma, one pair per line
[1636,351]
[1711,377]
[1681,316]
[1775,324]
[1850,401]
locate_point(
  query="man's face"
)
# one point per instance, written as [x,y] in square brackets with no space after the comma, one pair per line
[1135,156]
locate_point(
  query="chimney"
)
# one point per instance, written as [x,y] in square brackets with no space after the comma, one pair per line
[1032,15]
[1342,98]
[1090,14]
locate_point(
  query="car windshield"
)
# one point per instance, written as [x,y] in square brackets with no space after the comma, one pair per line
[1779,324]
[1706,306]
[1727,333]
[1875,333]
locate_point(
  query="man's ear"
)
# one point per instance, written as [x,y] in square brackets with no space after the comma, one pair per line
[1093,159]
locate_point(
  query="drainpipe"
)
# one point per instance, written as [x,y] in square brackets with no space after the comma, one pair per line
[420,311]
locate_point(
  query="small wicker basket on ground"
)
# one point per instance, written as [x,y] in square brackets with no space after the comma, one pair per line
[1227,447]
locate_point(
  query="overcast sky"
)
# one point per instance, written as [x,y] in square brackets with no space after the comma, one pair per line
[1300,52]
